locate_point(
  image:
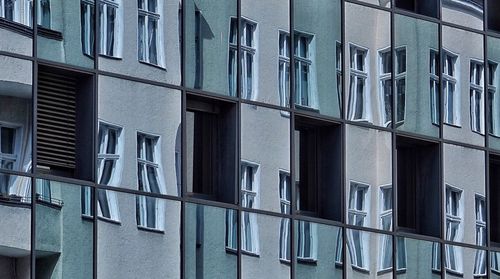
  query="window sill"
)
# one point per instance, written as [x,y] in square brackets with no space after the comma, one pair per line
[49,204]
[384,271]
[108,220]
[15,201]
[148,229]
[251,254]
[307,261]
[497,272]
[477,132]
[307,108]
[16,27]
[452,125]
[339,265]
[49,33]
[285,261]
[153,65]
[88,218]
[436,271]
[285,114]
[455,273]
[231,251]
[401,271]
[360,269]
[109,57]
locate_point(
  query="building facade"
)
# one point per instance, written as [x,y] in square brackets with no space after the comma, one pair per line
[249,139]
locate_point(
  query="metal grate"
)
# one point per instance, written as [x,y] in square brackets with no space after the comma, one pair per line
[56,114]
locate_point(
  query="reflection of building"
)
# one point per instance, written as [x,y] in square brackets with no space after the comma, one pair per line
[249,139]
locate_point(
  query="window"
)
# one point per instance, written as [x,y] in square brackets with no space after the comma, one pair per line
[249,190]
[386,224]
[43,13]
[110,25]
[303,69]
[107,205]
[9,136]
[307,241]
[434,86]
[338,249]
[151,210]
[423,7]
[357,213]
[284,69]
[400,81]
[454,213]
[9,9]
[109,154]
[359,102]
[88,23]
[385,68]
[493,101]
[436,257]
[495,262]
[476,96]
[87,207]
[285,198]
[480,259]
[248,51]
[451,92]
[150,39]
[231,230]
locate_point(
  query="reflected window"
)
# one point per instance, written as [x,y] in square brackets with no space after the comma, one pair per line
[338,66]
[233,55]
[43,13]
[436,257]
[19,11]
[9,150]
[231,230]
[87,208]
[285,205]
[109,155]
[480,258]
[150,39]
[248,52]
[454,219]
[400,81]
[303,69]
[110,21]
[434,85]
[339,249]
[357,213]
[451,92]
[87,23]
[386,224]
[150,210]
[107,205]
[284,69]
[385,61]
[249,191]
[493,101]
[359,103]
[495,262]
[307,241]
[476,96]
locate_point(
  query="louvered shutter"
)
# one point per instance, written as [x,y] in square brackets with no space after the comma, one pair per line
[56,116]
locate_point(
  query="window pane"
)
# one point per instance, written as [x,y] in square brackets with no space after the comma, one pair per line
[464,13]
[408,251]
[364,249]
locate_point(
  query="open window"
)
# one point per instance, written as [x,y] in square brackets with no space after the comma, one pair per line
[211,149]
[65,123]
[318,168]
[418,191]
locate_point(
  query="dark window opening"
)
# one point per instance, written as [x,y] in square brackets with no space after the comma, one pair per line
[211,149]
[494,199]
[423,7]
[418,187]
[493,18]
[318,168]
[65,123]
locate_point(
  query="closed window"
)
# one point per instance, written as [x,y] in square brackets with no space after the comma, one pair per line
[87,16]
[303,69]
[9,9]
[249,190]
[480,258]
[43,13]
[495,262]
[285,198]
[231,230]
[434,86]
[233,56]
[248,45]
[110,21]
[338,66]
[400,81]
[150,39]
[109,153]
[450,90]
[359,102]
[454,227]
[19,11]
[493,100]
[357,213]
[151,210]
[385,87]
[9,137]
[386,224]
[307,243]
[476,96]
[284,69]
[107,205]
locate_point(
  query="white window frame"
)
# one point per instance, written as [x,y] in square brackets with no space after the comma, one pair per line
[308,99]
[248,65]
[232,68]
[307,241]
[117,28]
[284,68]
[400,76]
[494,101]
[453,254]
[385,77]
[339,248]
[338,68]
[356,75]
[436,257]
[476,89]
[103,155]
[41,16]
[249,199]
[15,10]
[385,240]
[231,230]
[111,202]
[356,212]
[88,26]
[480,258]
[144,163]
[434,85]
[451,88]
[285,208]
[87,201]
[150,14]
[495,262]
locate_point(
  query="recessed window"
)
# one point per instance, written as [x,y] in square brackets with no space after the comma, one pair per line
[400,81]
[109,33]
[385,87]
[317,145]
[109,153]
[303,55]
[450,89]
[284,69]
[9,149]
[423,7]
[476,96]
[19,11]
[480,258]
[359,102]
[454,227]
[87,16]
[434,85]
[150,39]
[249,199]
[43,15]
[357,213]
[231,230]
[107,205]
[493,100]
[285,205]
[248,44]
[211,149]
[307,244]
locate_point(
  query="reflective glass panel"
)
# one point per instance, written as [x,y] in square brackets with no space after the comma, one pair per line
[493,103]
[15,226]
[418,259]
[64,230]
[317,246]
[495,265]
[417,76]
[139,136]
[464,262]
[211,53]
[318,56]
[265,159]
[369,178]
[16,22]
[210,242]
[368,255]
[15,114]
[140,228]
[368,90]
[468,13]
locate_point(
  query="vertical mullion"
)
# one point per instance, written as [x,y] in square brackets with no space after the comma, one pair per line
[96,46]
[293,185]
[237,180]
[343,135]
[34,68]
[393,144]
[487,121]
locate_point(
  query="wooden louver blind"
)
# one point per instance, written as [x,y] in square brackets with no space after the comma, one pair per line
[56,115]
